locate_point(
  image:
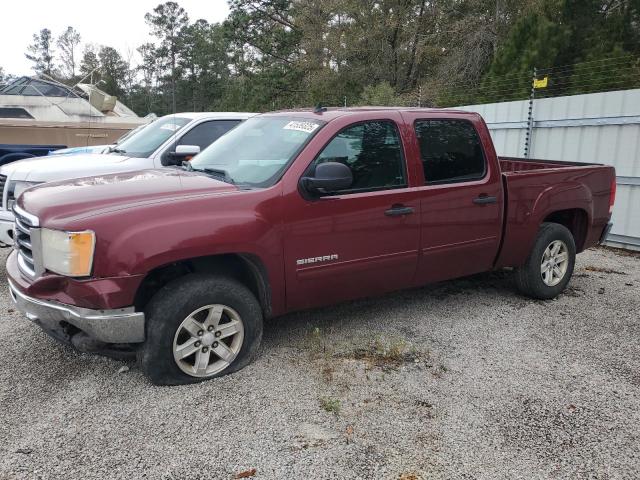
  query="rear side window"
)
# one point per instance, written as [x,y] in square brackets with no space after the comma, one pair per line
[14,112]
[373,152]
[450,151]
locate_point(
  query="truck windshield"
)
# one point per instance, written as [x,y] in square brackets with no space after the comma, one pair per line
[257,151]
[146,141]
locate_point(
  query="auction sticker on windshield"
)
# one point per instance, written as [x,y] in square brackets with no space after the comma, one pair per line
[306,127]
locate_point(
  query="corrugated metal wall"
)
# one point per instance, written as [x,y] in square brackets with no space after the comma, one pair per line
[597,128]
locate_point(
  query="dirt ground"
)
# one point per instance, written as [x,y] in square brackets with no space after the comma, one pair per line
[460,380]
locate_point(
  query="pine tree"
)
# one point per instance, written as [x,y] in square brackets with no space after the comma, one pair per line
[41,52]
[68,43]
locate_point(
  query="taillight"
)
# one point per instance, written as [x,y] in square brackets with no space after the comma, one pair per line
[612,196]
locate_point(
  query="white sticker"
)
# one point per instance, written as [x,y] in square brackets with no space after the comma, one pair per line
[170,126]
[306,127]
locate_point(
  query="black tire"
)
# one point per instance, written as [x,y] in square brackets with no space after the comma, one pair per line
[528,277]
[175,302]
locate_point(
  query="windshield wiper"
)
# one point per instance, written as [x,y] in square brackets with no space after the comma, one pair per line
[116,150]
[217,173]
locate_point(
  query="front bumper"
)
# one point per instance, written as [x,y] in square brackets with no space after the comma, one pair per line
[122,325]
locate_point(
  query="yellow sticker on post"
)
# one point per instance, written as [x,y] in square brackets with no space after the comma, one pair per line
[542,83]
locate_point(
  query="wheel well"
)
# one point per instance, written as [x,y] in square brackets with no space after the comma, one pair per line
[245,268]
[575,220]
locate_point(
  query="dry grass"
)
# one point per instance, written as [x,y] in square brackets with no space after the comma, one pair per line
[408,476]
[591,268]
[384,354]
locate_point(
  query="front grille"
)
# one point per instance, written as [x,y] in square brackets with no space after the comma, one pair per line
[3,182]
[26,236]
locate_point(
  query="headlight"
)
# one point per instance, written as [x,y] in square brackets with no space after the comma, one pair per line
[68,253]
[16,188]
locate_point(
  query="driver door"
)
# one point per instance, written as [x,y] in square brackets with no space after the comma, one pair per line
[360,241]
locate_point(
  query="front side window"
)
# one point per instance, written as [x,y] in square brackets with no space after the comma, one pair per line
[257,151]
[450,151]
[372,151]
[143,143]
[202,135]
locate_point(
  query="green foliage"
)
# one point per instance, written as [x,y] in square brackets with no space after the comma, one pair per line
[113,71]
[581,45]
[90,63]
[381,94]
[275,54]
[330,405]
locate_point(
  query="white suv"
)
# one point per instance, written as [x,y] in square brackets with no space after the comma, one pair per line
[165,142]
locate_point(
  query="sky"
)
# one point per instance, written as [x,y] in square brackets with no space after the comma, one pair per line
[117,23]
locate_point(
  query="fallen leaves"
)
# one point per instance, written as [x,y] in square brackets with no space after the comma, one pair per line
[246,473]
[349,433]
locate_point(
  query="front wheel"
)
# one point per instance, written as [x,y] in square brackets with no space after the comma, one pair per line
[549,266]
[199,327]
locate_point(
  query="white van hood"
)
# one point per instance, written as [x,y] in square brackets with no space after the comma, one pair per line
[63,167]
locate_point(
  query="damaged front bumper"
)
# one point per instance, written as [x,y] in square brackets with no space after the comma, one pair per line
[118,326]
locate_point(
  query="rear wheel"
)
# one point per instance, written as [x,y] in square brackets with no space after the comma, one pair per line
[200,327]
[549,266]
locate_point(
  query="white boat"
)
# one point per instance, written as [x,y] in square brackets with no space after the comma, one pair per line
[42,111]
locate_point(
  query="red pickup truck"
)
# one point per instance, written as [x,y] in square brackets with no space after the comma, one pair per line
[292,210]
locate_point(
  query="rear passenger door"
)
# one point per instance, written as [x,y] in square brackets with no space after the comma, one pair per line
[461,201]
[202,135]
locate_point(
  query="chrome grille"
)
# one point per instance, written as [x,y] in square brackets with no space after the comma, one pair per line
[27,236]
[3,182]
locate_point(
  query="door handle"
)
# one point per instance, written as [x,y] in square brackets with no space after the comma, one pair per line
[398,210]
[484,200]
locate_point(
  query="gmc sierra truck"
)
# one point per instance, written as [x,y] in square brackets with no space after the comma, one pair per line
[292,210]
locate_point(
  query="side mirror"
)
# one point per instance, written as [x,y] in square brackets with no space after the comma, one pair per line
[329,177]
[184,153]
[187,151]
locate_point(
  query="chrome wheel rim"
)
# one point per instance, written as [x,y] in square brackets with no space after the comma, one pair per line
[208,340]
[555,261]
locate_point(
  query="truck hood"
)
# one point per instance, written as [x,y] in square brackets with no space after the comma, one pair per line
[58,203]
[63,167]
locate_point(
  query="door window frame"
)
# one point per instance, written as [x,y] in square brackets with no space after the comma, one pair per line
[428,183]
[342,193]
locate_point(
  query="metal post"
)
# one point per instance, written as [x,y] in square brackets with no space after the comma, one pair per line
[528,141]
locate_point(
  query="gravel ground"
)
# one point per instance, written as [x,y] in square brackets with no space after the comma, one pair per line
[464,379]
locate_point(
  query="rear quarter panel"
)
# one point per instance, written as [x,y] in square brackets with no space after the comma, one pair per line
[534,195]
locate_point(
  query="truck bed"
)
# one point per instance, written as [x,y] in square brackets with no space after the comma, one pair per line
[516,165]
[541,190]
